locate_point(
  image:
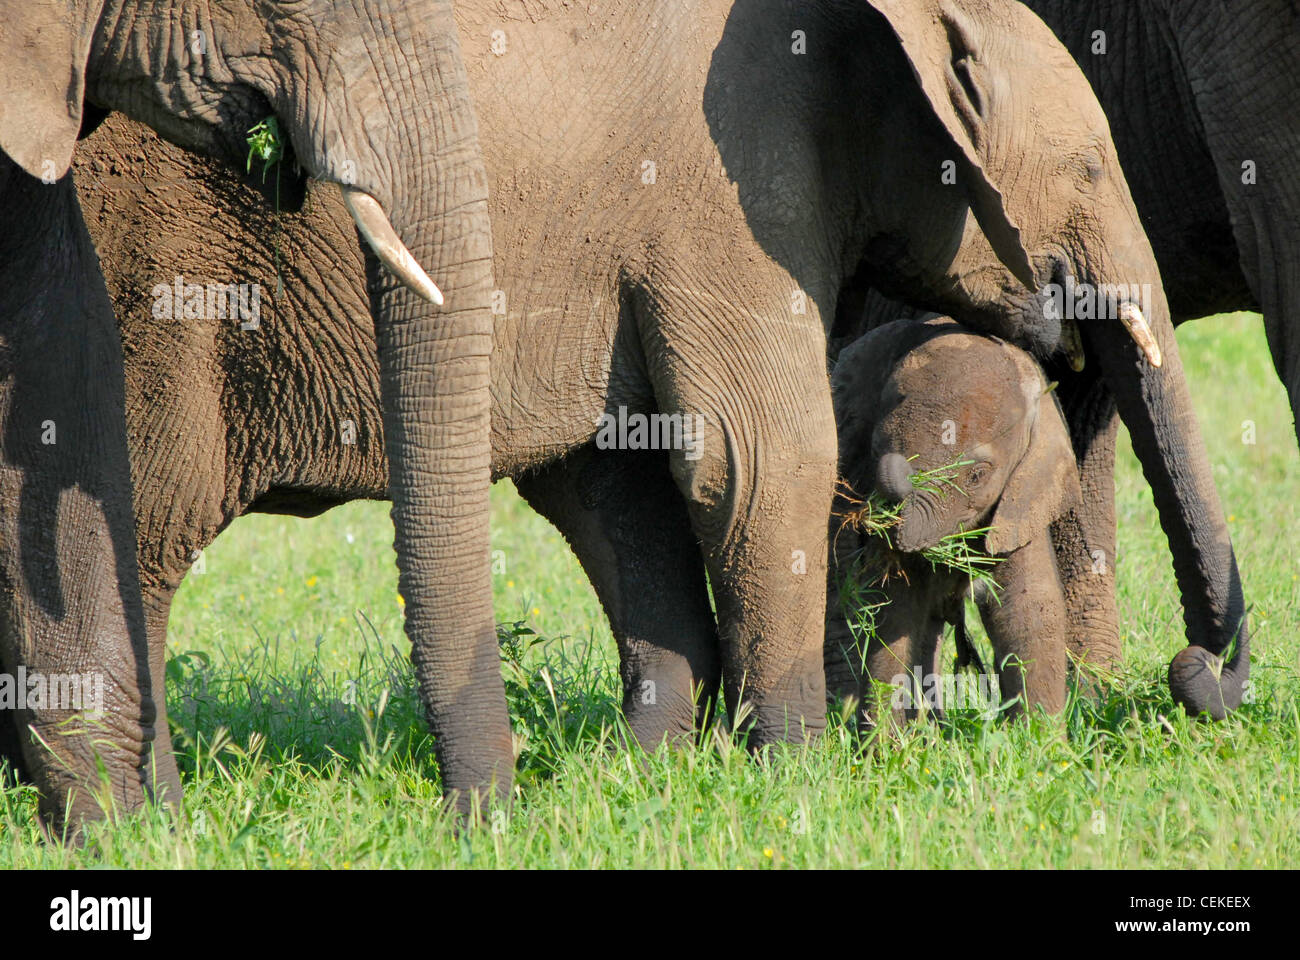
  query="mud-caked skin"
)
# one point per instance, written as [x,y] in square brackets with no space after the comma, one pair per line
[679,192]
[923,395]
[369,96]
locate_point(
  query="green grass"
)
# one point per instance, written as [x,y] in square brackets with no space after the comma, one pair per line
[294,619]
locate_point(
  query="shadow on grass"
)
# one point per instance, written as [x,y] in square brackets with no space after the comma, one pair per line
[560,703]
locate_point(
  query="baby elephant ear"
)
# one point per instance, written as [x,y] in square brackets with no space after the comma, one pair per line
[965,86]
[44,45]
[1042,487]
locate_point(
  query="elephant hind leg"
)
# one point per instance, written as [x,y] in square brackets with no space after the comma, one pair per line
[166,785]
[758,474]
[628,526]
[1282,327]
[10,750]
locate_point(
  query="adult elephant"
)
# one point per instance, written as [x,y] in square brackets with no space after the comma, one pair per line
[1191,90]
[369,95]
[679,194]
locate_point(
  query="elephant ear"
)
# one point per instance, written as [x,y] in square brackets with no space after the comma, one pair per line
[1043,486]
[44,45]
[941,42]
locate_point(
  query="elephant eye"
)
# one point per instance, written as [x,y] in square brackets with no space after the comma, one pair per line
[1091,168]
[978,474]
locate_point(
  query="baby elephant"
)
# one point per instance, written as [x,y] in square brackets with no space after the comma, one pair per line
[919,395]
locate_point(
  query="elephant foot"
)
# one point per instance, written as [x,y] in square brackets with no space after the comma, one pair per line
[1204,683]
[797,716]
[660,712]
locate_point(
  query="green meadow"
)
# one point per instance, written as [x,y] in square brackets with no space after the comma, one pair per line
[301,745]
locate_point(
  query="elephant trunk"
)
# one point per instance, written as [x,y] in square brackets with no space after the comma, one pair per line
[434,383]
[925,520]
[435,389]
[1156,406]
[894,477]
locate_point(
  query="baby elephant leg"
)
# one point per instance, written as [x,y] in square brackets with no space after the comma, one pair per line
[842,653]
[900,654]
[1028,628]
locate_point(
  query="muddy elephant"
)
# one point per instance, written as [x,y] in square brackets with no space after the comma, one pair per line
[675,216]
[368,96]
[975,416]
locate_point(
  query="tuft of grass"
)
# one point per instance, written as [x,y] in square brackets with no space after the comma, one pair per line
[961,552]
[266,144]
[868,569]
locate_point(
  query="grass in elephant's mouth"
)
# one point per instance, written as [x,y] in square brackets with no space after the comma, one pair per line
[961,552]
[266,144]
[871,566]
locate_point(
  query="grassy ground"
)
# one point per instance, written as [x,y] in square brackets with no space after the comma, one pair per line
[300,744]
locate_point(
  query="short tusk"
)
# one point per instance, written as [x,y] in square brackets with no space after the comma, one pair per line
[1072,344]
[388,247]
[1131,316]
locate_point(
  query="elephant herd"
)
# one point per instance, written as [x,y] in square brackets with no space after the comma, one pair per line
[682,209]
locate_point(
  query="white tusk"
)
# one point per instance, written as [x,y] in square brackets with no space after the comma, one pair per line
[1131,316]
[1072,344]
[388,247]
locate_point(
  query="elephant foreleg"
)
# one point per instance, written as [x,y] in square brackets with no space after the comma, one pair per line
[893,688]
[70,611]
[1085,537]
[1027,626]
[842,652]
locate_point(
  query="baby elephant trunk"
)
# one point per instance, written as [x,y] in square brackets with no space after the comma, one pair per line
[894,477]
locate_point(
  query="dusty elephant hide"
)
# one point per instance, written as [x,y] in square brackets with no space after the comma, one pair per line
[352,91]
